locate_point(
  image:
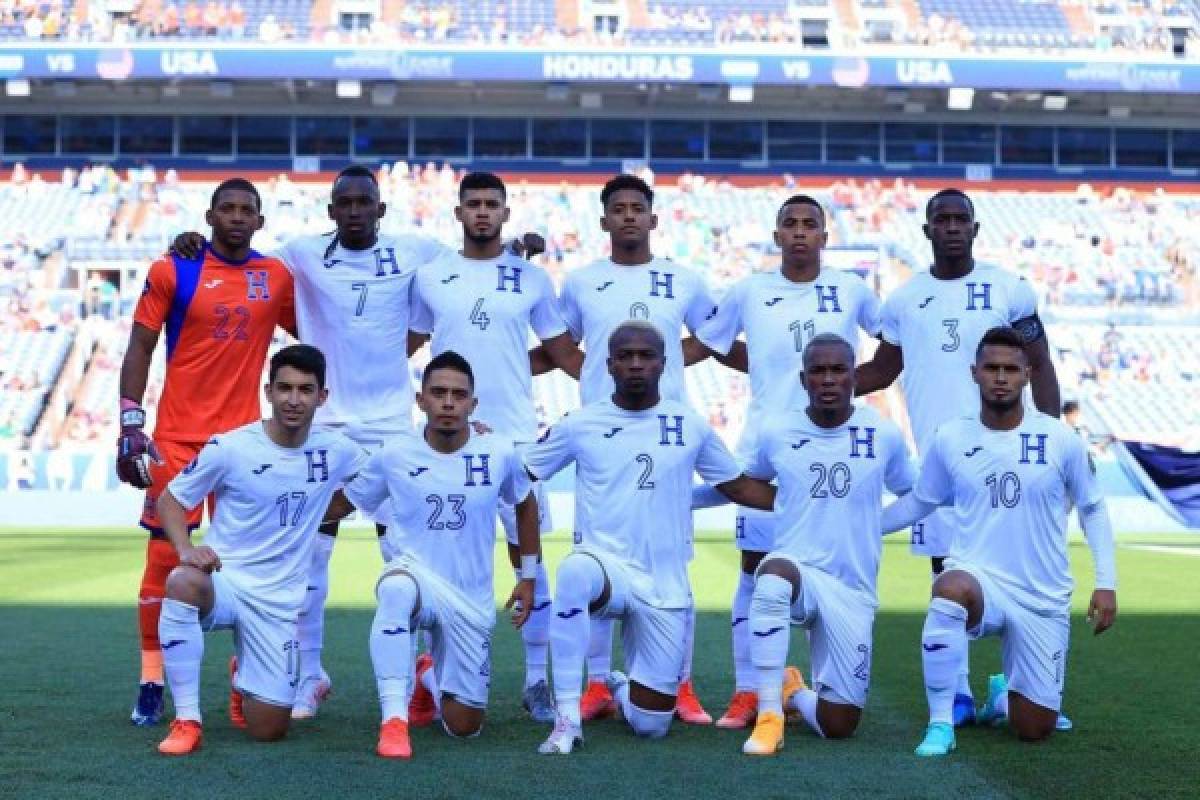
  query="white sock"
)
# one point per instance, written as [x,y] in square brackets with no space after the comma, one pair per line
[770,617]
[964,674]
[392,643]
[535,633]
[600,647]
[311,629]
[580,580]
[943,645]
[689,644]
[430,682]
[743,667]
[805,701]
[183,650]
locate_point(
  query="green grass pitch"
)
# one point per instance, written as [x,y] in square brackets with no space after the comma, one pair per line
[69,658]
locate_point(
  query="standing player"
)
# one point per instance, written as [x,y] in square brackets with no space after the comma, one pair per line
[931,326]
[779,312]
[635,455]
[482,304]
[351,285]
[272,479]
[220,311]
[833,461]
[451,482]
[1011,475]
[630,284]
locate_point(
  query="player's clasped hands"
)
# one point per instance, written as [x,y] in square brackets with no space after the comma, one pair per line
[1102,611]
[202,558]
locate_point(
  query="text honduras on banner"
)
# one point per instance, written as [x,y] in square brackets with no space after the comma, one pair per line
[250,61]
[1169,476]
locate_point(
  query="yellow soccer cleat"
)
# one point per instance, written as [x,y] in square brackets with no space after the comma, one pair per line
[793,682]
[767,739]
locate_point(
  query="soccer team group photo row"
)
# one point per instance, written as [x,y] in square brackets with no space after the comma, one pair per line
[987,502]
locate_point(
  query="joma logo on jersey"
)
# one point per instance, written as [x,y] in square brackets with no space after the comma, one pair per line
[506,277]
[385,261]
[1028,448]
[482,470]
[604,286]
[318,460]
[827,299]
[666,429]
[862,445]
[981,294]
[664,281]
[612,433]
[449,279]
[773,301]
[257,287]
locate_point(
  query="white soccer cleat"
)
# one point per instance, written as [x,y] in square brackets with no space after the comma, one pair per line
[565,737]
[313,691]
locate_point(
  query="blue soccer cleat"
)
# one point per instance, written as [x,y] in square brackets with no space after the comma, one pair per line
[1063,724]
[938,741]
[964,710]
[149,708]
[990,713]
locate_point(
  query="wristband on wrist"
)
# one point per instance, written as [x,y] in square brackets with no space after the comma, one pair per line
[132,415]
[528,570]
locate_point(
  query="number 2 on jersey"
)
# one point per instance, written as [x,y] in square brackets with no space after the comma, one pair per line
[644,480]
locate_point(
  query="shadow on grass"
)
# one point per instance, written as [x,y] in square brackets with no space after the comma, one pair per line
[70,674]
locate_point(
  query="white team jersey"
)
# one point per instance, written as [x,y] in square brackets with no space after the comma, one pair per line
[354,306]
[938,325]
[780,317]
[633,486]
[831,483]
[597,298]
[483,310]
[1011,492]
[269,502]
[447,505]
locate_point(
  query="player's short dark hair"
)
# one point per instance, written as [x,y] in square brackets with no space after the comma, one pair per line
[301,357]
[235,184]
[1000,336]
[623,182]
[481,180]
[801,200]
[448,359]
[638,326]
[827,340]
[949,191]
[355,171]
[1069,407]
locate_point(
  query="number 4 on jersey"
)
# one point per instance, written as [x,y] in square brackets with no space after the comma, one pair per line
[478,316]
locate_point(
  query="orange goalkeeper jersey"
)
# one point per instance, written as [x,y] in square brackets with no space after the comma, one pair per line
[219,318]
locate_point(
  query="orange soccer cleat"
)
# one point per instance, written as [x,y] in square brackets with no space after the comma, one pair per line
[393,739]
[422,709]
[597,702]
[743,708]
[236,717]
[185,737]
[688,708]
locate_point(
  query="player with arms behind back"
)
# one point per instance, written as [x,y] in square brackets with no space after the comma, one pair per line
[449,483]
[273,479]
[931,326]
[635,455]
[1011,474]
[779,312]
[632,283]
[219,310]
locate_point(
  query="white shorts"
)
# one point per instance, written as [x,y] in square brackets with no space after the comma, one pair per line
[371,438]
[755,531]
[460,633]
[508,514]
[265,644]
[652,637]
[840,622]
[1033,644]
[934,535]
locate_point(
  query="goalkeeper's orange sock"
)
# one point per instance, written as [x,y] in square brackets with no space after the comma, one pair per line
[160,560]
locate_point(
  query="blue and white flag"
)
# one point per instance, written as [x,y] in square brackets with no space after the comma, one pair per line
[1167,475]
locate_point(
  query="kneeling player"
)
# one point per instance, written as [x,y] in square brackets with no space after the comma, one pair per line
[832,460]
[272,480]
[1010,473]
[452,482]
[635,454]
